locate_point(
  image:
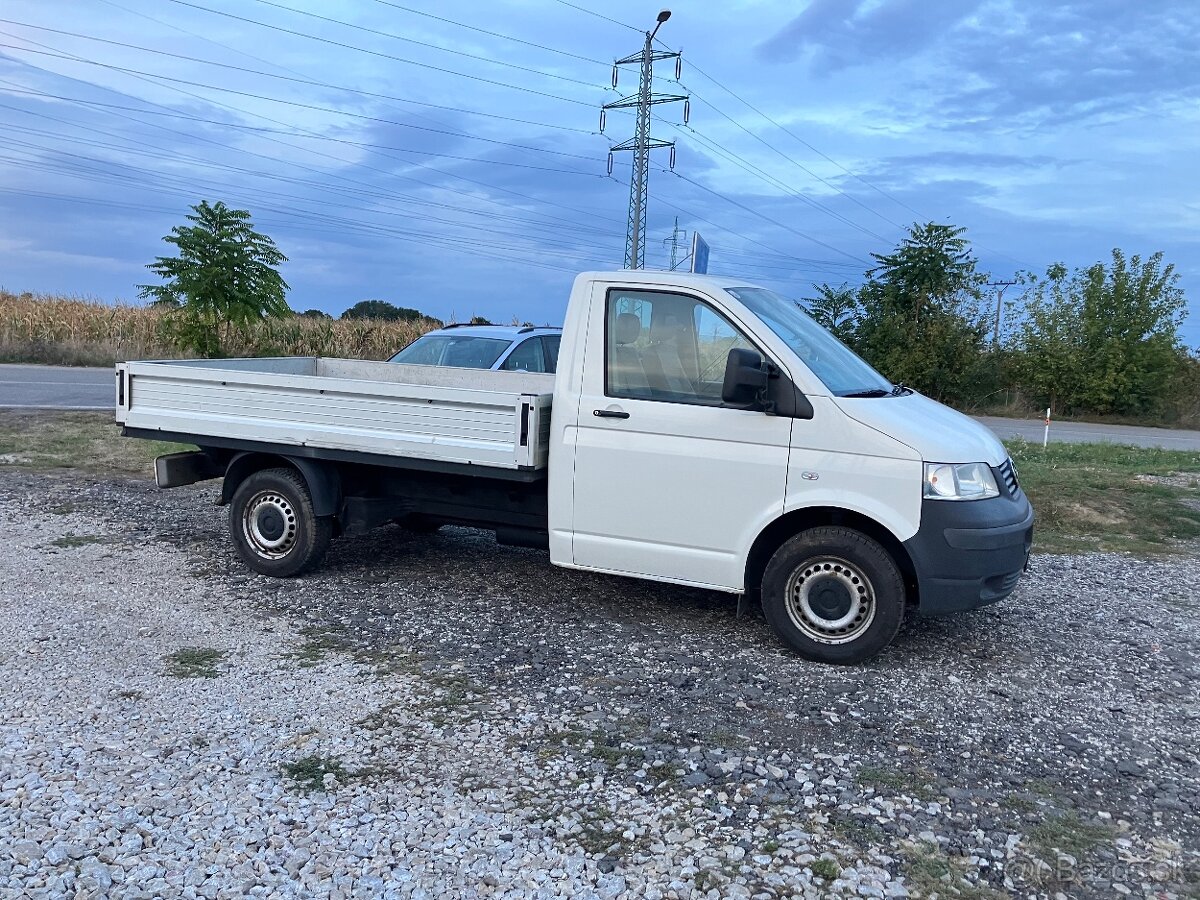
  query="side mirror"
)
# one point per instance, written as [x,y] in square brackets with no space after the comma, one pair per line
[745,382]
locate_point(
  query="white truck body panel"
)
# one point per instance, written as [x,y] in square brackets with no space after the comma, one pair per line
[675,491]
[464,416]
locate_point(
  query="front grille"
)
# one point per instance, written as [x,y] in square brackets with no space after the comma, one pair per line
[1008,475]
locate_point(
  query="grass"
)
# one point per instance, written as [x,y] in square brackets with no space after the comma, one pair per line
[1067,834]
[1088,497]
[826,868]
[931,872]
[310,771]
[69,540]
[85,441]
[195,662]
[317,646]
[897,781]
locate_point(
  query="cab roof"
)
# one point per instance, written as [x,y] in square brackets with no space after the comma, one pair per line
[500,332]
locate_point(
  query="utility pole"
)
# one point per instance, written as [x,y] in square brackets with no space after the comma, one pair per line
[673,240]
[1003,285]
[642,143]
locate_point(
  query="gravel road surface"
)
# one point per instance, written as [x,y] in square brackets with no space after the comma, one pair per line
[435,716]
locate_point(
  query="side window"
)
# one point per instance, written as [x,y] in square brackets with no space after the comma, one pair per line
[715,337]
[526,358]
[668,347]
[550,344]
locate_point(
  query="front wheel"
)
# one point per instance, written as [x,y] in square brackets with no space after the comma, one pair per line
[833,594]
[273,525]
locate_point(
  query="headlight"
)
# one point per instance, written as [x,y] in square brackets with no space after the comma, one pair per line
[961,481]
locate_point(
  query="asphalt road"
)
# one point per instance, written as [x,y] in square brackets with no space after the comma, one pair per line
[1088,432]
[60,387]
[56,387]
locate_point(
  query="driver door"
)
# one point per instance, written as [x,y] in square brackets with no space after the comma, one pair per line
[669,484]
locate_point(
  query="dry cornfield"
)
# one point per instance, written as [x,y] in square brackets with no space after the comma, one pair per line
[71,331]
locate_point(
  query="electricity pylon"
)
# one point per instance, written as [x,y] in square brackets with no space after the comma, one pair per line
[673,240]
[642,143]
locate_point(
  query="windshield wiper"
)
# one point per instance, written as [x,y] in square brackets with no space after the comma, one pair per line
[872,392]
[901,390]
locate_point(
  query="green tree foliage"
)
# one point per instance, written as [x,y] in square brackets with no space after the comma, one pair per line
[1103,339]
[918,318]
[836,309]
[381,309]
[223,278]
[314,314]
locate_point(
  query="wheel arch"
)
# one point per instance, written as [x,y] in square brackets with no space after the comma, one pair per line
[322,480]
[773,536]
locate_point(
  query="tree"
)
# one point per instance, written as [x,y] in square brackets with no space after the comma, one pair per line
[224,278]
[381,309]
[919,319]
[314,314]
[836,309]
[1103,339]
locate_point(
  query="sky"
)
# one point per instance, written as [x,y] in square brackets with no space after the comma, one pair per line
[448,157]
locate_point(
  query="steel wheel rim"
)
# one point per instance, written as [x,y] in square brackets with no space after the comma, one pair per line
[830,600]
[269,525]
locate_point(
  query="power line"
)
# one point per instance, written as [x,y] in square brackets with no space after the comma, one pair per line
[302,80]
[507,37]
[764,217]
[794,162]
[378,53]
[767,178]
[592,12]
[372,191]
[338,191]
[151,78]
[407,40]
[796,137]
[295,133]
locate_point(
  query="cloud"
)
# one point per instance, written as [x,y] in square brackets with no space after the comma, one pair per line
[834,34]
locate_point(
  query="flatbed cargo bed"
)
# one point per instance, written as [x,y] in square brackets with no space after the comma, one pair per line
[494,419]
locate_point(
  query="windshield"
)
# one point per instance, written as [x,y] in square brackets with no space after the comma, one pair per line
[839,368]
[452,350]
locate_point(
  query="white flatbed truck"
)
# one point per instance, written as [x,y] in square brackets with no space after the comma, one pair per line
[699,431]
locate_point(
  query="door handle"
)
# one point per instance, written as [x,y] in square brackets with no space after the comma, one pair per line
[609,414]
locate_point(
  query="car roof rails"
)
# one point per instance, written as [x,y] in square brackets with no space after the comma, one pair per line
[529,328]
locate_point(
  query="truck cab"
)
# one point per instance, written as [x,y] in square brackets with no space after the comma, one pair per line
[710,433]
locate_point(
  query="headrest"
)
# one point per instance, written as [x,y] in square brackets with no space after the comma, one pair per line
[628,328]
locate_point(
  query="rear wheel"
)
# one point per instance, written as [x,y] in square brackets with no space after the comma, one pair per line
[834,594]
[273,525]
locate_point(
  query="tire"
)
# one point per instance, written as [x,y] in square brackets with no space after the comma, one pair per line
[834,595]
[273,525]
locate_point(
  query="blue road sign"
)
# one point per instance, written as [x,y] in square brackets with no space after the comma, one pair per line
[699,254]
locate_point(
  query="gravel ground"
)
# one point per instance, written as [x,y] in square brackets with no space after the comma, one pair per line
[436,716]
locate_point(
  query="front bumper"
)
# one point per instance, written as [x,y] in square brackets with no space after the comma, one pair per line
[970,553]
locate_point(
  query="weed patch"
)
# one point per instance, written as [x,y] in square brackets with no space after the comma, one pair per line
[195,662]
[309,772]
[897,781]
[1066,834]
[826,868]
[69,540]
